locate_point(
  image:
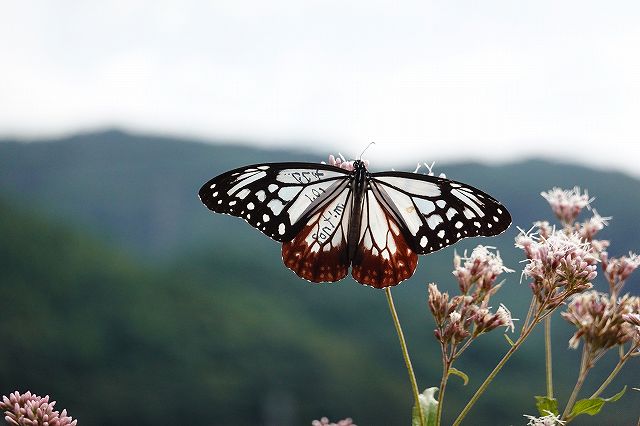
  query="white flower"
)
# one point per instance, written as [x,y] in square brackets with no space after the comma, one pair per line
[454,317]
[505,317]
[567,203]
[548,420]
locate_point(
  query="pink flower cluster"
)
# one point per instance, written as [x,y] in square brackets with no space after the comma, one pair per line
[468,314]
[481,268]
[602,321]
[559,265]
[31,410]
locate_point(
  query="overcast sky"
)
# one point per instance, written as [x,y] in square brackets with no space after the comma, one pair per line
[487,80]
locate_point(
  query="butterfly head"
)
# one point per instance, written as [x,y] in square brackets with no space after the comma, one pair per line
[359,165]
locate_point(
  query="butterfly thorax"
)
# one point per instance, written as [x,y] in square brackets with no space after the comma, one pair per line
[358,184]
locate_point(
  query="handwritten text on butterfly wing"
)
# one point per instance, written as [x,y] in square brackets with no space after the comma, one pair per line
[329,221]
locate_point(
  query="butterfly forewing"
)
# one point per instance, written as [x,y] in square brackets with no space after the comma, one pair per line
[319,251]
[271,197]
[437,212]
[382,258]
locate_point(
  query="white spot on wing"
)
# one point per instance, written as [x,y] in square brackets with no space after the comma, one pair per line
[451,213]
[266,217]
[459,224]
[423,241]
[441,203]
[281,229]
[276,206]
[272,187]
[434,220]
[242,194]
[288,192]
[441,233]
[261,195]
[426,207]
[250,206]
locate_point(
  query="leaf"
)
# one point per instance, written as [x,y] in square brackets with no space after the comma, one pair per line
[429,407]
[546,405]
[592,406]
[460,374]
[509,340]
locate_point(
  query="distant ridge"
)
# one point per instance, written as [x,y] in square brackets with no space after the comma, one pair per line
[140,190]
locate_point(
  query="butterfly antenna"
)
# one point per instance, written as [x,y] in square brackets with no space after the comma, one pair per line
[363,151]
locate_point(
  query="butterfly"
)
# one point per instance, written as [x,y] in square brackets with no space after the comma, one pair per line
[329,218]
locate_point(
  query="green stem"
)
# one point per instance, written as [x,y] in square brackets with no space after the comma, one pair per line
[547,358]
[405,353]
[585,366]
[495,371]
[443,386]
[611,376]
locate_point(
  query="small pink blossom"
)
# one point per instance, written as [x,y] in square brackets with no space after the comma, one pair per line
[342,163]
[325,422]
[505,317]
[592,226]
[567,203]
[618,269]
[481,268]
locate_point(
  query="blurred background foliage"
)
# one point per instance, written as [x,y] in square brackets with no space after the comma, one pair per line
[127,301]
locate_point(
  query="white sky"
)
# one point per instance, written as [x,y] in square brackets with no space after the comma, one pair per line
[486,80]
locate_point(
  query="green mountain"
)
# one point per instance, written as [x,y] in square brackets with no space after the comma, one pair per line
[125,299]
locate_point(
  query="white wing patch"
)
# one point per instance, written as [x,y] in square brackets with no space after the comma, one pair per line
[406,207]
[376,236]
[416,187]
[305,176]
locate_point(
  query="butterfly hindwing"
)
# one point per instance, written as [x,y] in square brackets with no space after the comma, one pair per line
[271,197]
[319,251]
[437,212]
[382,258]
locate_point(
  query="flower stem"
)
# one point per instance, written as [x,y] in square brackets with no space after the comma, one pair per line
[585,366]
[495,371]
[405,353]
[547,358]
[611,376]
[443,385]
